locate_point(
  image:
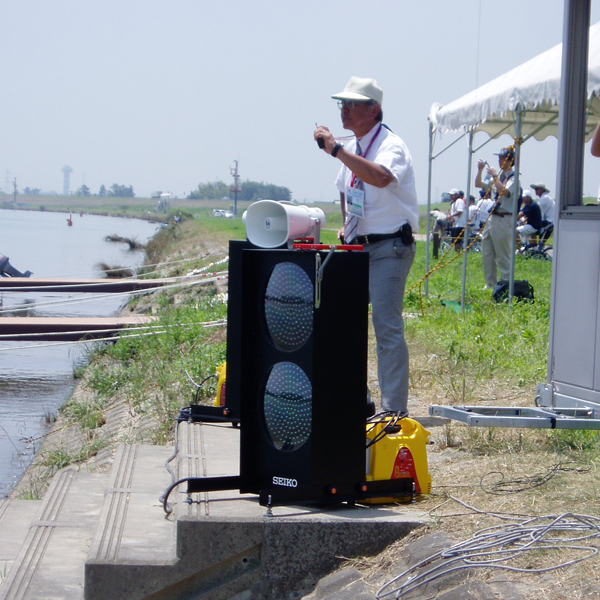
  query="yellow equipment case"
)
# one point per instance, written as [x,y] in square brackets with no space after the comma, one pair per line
[395,451]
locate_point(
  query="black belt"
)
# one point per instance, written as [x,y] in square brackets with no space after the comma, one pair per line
[501,214]
[372,238]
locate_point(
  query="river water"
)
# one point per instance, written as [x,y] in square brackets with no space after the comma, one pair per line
[37,378]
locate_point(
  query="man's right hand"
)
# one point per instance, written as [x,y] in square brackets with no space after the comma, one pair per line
[326,136]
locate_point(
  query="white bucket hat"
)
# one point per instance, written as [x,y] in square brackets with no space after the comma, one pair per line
[359,88]
[539,186]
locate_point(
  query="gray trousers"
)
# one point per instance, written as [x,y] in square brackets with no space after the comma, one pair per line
[389,264]
[496,243]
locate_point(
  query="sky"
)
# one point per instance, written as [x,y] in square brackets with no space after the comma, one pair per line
[166,95]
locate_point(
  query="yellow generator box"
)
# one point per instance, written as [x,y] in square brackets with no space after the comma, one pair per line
[395,450]
[220,397]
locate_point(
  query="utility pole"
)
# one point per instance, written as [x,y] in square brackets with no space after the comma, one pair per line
[236,186]
[15,191]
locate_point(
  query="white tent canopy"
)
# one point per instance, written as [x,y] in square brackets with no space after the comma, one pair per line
[533,86]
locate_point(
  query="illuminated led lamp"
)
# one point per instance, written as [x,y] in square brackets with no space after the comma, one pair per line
[287,406]
[289,306]
[293,449]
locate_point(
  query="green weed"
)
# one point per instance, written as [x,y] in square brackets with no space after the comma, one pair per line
[60,457]
[577,440]
[155,373]
[87,414]
[57,458]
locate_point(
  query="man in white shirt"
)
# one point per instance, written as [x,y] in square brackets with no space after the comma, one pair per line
[545,201]
[484,206]
[474,216]
[459,215]
[547,206]
[380,211]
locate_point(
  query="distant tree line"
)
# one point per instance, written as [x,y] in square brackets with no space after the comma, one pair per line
[251,191]
[119,191]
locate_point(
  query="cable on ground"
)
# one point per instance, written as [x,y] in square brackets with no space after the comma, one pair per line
[495,548]
[522,484]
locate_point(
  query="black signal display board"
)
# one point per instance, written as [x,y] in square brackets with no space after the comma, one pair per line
[303,380]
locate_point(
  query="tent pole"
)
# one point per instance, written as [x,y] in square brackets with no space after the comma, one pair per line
[515,203]
[573,95]
[571,140]
[428,206]
[466,231]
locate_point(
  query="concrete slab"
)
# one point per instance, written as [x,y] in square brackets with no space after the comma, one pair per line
[50,564]
[297,543]
[132,526]
[15,518]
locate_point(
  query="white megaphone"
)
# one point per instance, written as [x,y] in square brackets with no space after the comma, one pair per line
[271,224]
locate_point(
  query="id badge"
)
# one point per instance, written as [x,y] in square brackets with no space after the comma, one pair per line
[355,199]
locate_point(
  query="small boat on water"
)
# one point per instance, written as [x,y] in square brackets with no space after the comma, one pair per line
[7,270]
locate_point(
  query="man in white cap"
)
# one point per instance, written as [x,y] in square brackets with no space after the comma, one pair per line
[380,211]
[497,234]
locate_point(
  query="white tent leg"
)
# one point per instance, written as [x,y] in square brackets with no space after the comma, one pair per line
[515,203]
[428,206]
[466,232]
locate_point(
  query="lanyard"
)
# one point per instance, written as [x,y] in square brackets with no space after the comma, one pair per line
[364,155]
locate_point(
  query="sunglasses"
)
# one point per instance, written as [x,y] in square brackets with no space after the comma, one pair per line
[352,103]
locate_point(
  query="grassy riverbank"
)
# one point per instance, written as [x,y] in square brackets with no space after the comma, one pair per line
[455,356]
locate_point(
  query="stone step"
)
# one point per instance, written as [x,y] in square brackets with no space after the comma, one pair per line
[50,562]
[138,552]
[15,518]
[134,554]
[132,527]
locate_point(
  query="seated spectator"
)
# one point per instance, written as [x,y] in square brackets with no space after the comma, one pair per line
[530,217]
[545,201]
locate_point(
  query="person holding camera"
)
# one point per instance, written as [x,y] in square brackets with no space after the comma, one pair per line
[380,211]
[497,234]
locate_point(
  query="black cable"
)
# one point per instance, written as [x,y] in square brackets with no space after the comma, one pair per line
[165,497]
[199,385]
[389,427]
[185,414]
[525,483]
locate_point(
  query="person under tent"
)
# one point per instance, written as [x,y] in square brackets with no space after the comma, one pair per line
[530,217]
[497,233]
